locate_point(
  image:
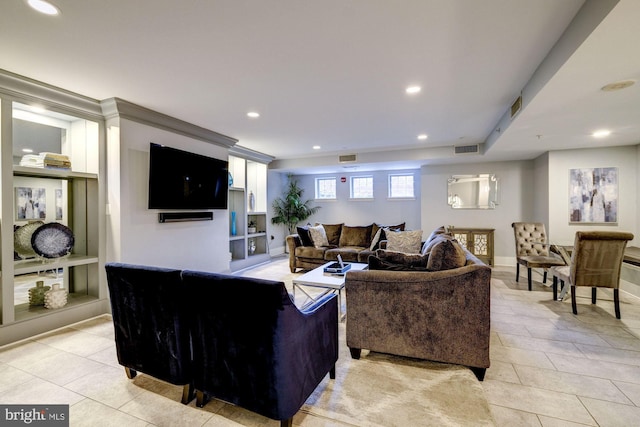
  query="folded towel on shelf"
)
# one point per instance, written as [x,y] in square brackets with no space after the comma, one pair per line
[32,160]
[46,160]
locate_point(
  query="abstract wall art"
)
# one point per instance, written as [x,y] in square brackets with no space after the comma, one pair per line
[593,195]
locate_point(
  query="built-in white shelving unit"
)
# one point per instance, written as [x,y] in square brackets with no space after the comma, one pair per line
[248,199]
[71,125]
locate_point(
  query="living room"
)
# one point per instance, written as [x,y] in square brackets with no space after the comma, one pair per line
[530,188]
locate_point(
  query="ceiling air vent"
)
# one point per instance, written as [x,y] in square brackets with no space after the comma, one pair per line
[466,149]
[516,106]
[347,158]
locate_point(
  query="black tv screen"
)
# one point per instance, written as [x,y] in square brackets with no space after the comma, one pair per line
[182,180]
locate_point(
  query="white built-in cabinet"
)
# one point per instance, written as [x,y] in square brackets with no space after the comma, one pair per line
[248,239]
[66,124]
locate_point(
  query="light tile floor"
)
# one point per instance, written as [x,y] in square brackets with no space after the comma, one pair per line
[548,367]
[552,368]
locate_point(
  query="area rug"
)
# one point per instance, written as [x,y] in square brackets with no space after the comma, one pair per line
[385,390]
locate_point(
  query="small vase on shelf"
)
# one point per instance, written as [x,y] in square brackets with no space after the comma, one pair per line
[234,231]
[56,297]
[252,201]
[36,294]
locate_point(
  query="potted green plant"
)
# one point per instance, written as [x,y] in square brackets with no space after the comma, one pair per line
[251,227]
[290,209]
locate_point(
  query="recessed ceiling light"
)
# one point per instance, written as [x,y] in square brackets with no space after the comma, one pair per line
[623,84]
[27,150]
[422,136]
[316,147]
[413,90]
[253,114]
[601,133]
[43,6]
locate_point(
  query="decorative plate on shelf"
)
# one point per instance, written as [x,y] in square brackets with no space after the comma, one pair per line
[22,239]
[52,240]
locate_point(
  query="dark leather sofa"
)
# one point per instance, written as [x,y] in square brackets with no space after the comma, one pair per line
[237,339]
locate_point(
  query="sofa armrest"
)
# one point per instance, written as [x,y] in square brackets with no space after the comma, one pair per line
[292,241]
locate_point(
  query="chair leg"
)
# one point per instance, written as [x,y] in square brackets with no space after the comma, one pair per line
[529,277]
[131,373]
[616,302]
[593,295]
[287,423]
[200,399]
[544,277]
[188,393]
[517,272]
[555,288]
[573,299]
[479,373]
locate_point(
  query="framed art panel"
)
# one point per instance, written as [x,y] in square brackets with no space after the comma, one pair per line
[593,195]
[58,203]
[31,203]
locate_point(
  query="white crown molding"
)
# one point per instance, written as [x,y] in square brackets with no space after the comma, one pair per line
[28,91]
[116,107]
[249,154]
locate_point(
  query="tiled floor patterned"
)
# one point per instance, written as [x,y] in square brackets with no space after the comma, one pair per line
[548,367]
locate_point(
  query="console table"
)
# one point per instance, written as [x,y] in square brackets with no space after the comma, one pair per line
[479,241]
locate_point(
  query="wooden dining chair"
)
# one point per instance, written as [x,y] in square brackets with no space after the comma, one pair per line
[596,261]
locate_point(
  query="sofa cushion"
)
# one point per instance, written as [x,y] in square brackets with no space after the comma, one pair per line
[319,236]
[416,260]
[404,241]
[347,253]
[333,232]
[445,255]
[438,231]
[376,227]
[310,252]
[397,261]
[305,237]
[429,244]
[355,236]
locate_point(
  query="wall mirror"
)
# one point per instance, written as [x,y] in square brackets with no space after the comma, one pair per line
[473,191]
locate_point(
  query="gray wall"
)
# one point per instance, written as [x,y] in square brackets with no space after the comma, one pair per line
[515,201]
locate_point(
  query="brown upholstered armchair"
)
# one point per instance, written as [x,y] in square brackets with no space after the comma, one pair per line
[596,261]
[532,249]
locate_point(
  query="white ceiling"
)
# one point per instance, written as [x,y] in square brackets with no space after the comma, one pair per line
[333,72]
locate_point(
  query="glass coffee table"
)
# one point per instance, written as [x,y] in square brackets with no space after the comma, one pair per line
[329,282]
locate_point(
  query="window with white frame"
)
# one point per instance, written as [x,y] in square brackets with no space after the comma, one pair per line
[326,188]
[362,187]
[401,186]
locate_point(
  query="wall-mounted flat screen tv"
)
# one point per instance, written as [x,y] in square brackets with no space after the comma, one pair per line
[182,180]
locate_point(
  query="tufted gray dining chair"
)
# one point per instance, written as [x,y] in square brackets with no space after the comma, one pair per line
[596,262]
[532,249]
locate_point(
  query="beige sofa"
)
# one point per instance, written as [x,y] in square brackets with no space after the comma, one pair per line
[439,313]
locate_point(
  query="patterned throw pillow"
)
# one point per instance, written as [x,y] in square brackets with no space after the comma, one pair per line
[319,236]
[409,242]
[375,242]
